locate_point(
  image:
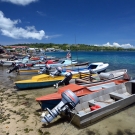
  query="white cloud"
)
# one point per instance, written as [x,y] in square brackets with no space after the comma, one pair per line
[118,45]
[41,13]
[20,2]
[8,28]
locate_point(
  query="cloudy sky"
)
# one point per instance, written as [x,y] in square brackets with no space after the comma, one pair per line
[97,22]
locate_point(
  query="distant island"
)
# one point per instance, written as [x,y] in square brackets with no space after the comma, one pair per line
[73,47]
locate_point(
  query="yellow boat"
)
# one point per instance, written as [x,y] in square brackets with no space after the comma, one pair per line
[40,81]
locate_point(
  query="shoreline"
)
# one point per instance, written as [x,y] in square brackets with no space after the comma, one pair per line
[20,114]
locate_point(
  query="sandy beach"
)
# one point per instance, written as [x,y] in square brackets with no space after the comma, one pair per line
[20,115]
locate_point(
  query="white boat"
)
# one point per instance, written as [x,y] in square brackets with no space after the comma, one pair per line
[106,80]
[9,62]
[80,69]
[98,105]
[98,66]
[19,61]
[101,77]
[62,63]
[92,107]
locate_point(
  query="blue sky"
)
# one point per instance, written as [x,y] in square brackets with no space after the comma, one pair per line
[97,22]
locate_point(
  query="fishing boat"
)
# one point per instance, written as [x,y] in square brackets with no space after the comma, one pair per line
[9,62]
[85,110]
[87,79]
[40,81]
[94,107]
[45,80]
[39,70]
[62,63]
[28,71]
[5,55]
[98,67]
[49,101]
[75,69]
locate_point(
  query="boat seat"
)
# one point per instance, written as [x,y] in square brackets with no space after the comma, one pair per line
[95,88]
[121,93]
[102,86]
[117,95]
[85,107]
[123,90]
[102,101]
[82,108]
[108,85]
[78,108]
[93,103]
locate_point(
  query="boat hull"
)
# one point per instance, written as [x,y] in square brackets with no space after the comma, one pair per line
[120,101]
[49,103]
[40,81]
[28,72]
[97,115]
[32,85]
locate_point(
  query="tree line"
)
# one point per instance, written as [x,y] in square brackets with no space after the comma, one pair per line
[74,47]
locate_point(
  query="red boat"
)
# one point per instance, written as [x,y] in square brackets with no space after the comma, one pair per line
[35,58]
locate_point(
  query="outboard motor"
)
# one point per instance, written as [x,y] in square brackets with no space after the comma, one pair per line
[65,81]
[1,62]
[15,68]
[57,72]
[68,103]
[45,70]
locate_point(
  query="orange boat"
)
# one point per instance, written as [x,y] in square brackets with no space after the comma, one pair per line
[51,100]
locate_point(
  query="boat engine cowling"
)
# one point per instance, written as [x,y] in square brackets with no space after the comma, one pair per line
[45,70]
[68,103]
[41,71]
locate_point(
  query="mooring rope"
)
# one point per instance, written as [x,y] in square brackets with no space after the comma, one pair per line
[68,124]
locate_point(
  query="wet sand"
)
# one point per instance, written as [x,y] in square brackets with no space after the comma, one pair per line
[20,114]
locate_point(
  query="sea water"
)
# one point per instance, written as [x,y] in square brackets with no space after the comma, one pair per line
[121,123]
[117,60]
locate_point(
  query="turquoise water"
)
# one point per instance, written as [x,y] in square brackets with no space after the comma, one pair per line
[121,123]
[116,60]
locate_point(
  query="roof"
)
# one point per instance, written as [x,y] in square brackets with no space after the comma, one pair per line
[18,46]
